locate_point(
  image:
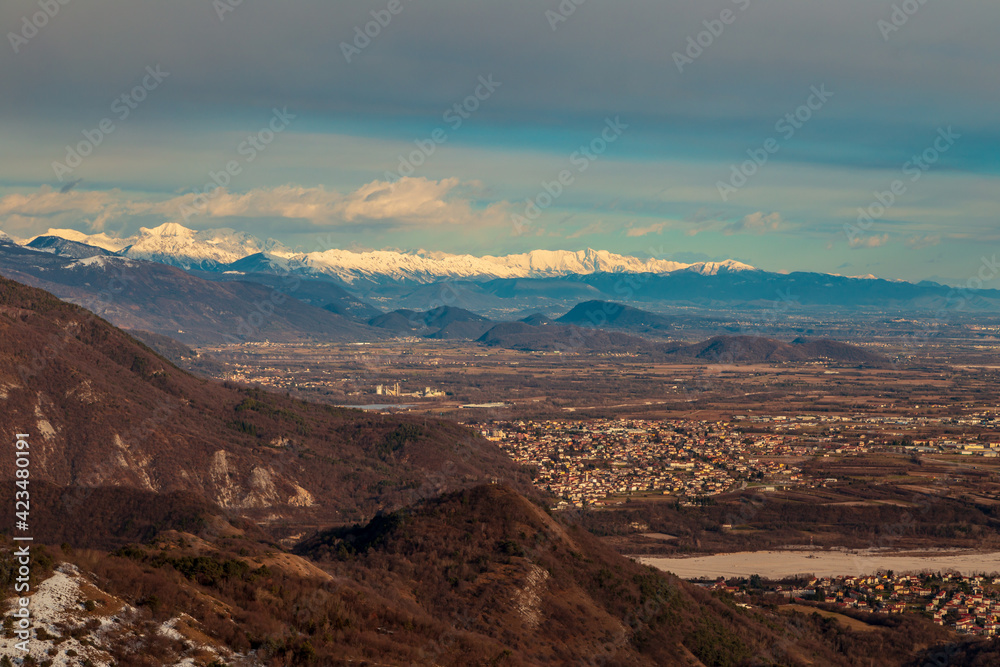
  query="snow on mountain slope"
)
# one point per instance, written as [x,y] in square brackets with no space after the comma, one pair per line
[425,267]
[98,240]
[68,633]
[174,244]
[102,262]
[713,268]
[177,245]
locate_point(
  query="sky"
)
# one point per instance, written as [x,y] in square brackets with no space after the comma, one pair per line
[857,137]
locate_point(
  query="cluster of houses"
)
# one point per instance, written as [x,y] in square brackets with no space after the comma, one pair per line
[969,604]
[862,433]
[600,461]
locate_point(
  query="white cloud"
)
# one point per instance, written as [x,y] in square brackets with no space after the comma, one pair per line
[23,212]
[755,223]
[876,241]
[917,242]
[598,227]
[410,202]
[643,231]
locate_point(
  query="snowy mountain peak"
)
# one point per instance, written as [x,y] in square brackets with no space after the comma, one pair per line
[174,244]
[167,229]
[713,268]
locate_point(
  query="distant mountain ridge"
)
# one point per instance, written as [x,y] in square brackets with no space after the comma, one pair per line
[425,267]
[225,250]
[176,245]
[497,287]
[546,336]
[66,248]
[166,300]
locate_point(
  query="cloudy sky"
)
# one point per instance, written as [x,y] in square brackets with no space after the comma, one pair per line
[688,129]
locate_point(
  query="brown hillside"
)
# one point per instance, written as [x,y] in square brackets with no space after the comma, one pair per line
[102,409]
[497,566]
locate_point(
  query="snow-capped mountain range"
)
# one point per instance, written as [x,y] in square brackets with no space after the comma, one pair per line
[426,267]
[174,244]
[233,251]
